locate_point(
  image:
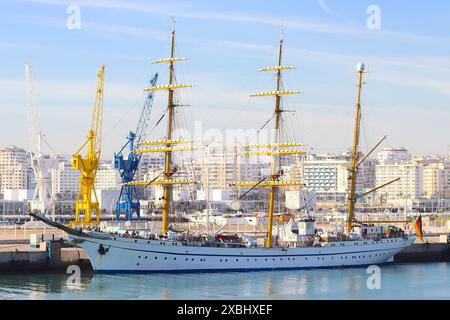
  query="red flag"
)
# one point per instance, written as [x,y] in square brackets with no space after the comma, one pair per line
[418,227]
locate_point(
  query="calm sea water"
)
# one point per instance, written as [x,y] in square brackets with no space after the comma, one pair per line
[403,281]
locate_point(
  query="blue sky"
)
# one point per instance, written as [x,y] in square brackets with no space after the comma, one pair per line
[407,92]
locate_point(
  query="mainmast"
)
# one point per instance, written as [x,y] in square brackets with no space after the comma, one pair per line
[354,169]
[167,144]
[277,148]
[168,153]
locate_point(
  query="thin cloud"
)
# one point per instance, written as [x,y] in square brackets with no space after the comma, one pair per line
[184,9]
[411,80]
[328,10]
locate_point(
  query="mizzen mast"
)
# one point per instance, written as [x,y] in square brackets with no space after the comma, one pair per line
[167,145]
[354,169]
[277,148]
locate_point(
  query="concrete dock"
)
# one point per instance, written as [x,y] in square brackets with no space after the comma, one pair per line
[49,257]
[432,249]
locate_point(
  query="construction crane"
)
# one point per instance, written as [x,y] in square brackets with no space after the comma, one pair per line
[87,202]
[129,199]
[43,200]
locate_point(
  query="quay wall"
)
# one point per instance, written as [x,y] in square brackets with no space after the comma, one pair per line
[58,259]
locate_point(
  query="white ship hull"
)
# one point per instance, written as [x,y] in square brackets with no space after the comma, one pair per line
[110,253]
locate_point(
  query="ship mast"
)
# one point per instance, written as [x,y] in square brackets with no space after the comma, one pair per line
[275,158]
[354,169]
[277,148]
[168,153]
[167,144]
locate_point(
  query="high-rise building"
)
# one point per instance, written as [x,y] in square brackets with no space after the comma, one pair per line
[327,175]
[107,178]
[149,163]
[15,169]
[409,187]
[65,181]
[220,165]
[436,180]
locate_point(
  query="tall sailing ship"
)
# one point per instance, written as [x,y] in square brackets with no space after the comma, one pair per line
[295,245]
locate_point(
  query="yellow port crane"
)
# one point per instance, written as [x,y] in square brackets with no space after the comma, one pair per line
[87,211]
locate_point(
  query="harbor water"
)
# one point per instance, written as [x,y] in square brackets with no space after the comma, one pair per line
[396,281]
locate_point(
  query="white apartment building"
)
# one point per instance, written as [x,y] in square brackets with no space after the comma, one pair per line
[149,163]
[402,192]
[107,177]
[65,180]
[436,180]
[327,175]
[393,156]
[219,166]
[15,169]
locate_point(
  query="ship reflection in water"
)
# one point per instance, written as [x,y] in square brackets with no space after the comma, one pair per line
[397,282]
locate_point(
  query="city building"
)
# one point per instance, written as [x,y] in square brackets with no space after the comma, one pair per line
[327,176]
[65,181]
[393,156]
[219,166]
[107,178]
[436,180]
[402,192]
[15,169]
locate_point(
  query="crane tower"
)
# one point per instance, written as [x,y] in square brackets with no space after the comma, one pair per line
[42,164]
[87,201]
[129,200]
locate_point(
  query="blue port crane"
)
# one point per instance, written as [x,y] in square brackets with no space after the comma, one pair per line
[128,201]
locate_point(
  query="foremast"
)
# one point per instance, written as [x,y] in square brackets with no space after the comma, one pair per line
[277,148]
[166,145]
[355,155]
